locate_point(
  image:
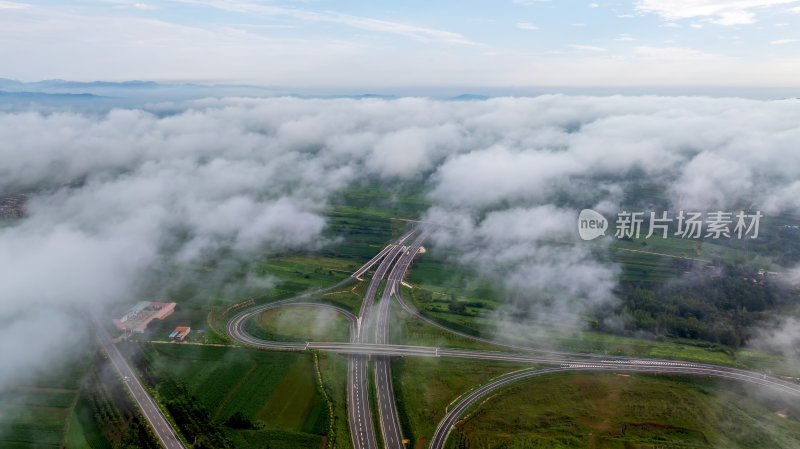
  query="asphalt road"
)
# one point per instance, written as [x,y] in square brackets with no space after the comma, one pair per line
[163,430]
[387,408]
[358,411]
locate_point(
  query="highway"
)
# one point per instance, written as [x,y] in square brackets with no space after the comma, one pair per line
[358,407]
[359,349]
[158,422]
[387,407]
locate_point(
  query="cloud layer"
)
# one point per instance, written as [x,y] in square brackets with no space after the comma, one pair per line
[121,194]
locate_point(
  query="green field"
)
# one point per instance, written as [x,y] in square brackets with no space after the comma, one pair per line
[424,387]
[298,274]
[333,369]
[613,411]
[658,260]
[38,413]
[278,390]
[301,323]
[405,328]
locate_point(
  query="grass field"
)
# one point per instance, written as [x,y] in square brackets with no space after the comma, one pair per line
[606,410]
[295,404]
[297,274]
[300,323]
[277,389]
[38,413]
[657,260]
[334,377]
[83,431]
[407,329]
[424,387]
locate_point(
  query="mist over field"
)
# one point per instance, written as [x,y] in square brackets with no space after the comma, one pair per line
[120,196]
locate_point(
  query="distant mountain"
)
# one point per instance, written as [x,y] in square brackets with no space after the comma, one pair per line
[64,84]
[139,93]
[78,87]
[46,96]
[368,96]
[469,97]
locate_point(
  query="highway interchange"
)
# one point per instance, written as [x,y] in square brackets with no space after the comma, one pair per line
[359,349]
[369,341]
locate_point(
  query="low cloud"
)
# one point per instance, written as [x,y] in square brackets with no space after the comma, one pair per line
[782,337]
[120,196]
[531,252]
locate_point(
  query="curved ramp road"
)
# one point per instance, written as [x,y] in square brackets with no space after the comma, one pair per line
[158,422]
[235,327]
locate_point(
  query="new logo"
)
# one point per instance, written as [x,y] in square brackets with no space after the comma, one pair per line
[591,224]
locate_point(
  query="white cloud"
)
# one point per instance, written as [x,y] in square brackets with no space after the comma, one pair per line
[783,337]
[672,53]
[720,12]
[730,18]
[588,48]
[546,283]
[4,4]
[625,38]
[364,23]
[784,41]
[126,193]
[498,174]
[527,26]
[145,6]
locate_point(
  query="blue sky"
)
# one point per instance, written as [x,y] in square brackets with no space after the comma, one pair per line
[408,43]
